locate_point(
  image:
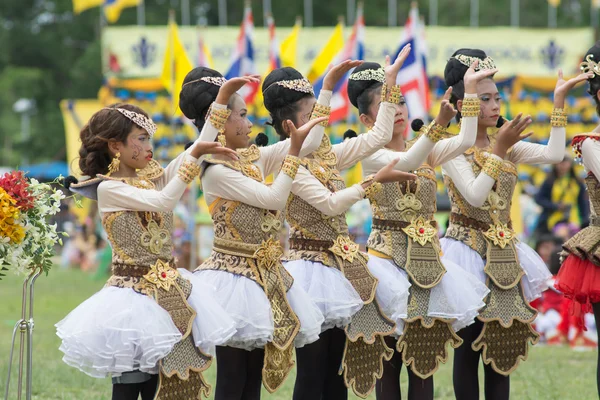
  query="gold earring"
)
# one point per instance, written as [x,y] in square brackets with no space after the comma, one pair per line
[114,164]
[221,139]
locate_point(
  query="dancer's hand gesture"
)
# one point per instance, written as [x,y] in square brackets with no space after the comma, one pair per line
[298,135]
[230,87]
[337,72]
[472,78]
[391,70]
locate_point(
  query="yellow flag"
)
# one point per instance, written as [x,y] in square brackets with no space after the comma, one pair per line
[113,8]
[289,46]
[80,6]
[354,175]
[176,65]
[329,51]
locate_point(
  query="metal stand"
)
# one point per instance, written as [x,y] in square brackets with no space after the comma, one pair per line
[24,326]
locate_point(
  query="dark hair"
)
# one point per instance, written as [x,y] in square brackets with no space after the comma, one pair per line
[349,134]
[104,126]
[454,74]
[361,92]
[261,140]
[281,102]
[196,96]
[594,83]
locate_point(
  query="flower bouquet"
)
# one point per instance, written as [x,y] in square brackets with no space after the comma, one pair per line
[27,239]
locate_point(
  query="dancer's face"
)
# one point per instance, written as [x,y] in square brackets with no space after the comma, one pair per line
[489,100]
[136,151]
[400,118]
[238,127]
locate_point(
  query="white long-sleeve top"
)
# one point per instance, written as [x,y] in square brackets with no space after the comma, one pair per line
[442,151]
[476,189]
[310,189]
[220,181]
[590,155]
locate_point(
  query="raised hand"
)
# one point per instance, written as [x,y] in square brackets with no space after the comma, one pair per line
[472,78]
[298,135]
[511,133]
[338,72]
[230,87]
[391,70]
[447,110]
[563,87]
[389,174]
[203,148]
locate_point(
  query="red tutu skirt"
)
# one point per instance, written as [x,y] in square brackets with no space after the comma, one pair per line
[579,280]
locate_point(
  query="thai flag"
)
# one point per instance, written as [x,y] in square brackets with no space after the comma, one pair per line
[274,59]
[243,57]
[413,74]
[354,49]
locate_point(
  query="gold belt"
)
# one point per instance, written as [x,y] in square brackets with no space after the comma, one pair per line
[393,225]
[472,223]
[235,248]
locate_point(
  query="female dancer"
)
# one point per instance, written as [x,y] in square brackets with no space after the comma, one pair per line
[404,245]
[578,276]
[150,316]
[270,311]
[480,239]
[322,258]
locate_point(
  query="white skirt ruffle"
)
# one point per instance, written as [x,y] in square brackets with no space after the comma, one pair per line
[536,279]
[459,296]
[246,302]
[327,287]
[119,330]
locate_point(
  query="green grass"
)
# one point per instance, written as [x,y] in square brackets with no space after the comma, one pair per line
[550,373]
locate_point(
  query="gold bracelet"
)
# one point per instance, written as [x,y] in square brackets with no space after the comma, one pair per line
[290,166]
[384,93]
[435,132]
[373,188]
[188,171]
[395,94]
[319,111]
[558,117]
[492,167]
[470,107]
[218,117]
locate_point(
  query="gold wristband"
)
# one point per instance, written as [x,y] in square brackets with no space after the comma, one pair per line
[188,171]
[321,111]
[435,132]
[470,107]
[395,94]
[290,166]
[558,117]
[373,188]
[384,93]
[492,167]
[218,117]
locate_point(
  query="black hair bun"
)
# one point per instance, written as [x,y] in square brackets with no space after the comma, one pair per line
[455,70]
[196,97]
[501,121]
[276,96]
[349,134]
[261,140]
[188,145]
[68,181]
[417,124]
[358,87]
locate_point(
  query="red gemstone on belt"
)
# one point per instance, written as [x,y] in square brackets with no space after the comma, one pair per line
[422,231]
[164,275]
[346,247]
[501,234]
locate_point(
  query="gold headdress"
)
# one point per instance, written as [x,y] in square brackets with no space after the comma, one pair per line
[590,65]
[487,63]
[299,85]
[369,75]
[215,80]
[139,119]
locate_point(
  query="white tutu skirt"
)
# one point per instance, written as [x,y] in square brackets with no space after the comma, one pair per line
[459,296]
[329,289]
[247,304]
[119,330]
[536,279]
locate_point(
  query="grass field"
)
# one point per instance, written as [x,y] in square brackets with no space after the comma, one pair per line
[550,373]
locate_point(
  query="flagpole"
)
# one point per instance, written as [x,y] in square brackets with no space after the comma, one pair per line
[350,6]
[222,12]
[185,12]
[308,12]
[141,13]
[392,13]
[551,15]
[433,12]
[514,12]
[474,13]
[267,11]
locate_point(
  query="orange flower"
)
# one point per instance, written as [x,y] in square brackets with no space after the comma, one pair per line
[9,217]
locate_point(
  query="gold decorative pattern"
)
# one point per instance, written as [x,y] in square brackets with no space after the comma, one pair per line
[492,167]
[290,166]
[152,171]
[319,170]
[188,171]
[363,364]
[277,366]
[421,231]
[502,266]
[372,190]
[435,132]
[558,118]
[344,248]
[395,94]
[590,65]
[155,238]
[369,323]
[500,235]
[487,63]
[423,264]
[162,275]
[319,111]
[384,93]
[218,117]
[470,107]
[507,306]
[298,85]
[369,75]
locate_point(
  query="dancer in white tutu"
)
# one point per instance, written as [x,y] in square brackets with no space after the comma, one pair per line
[323,259]
[150,318]
[271,312]
[480,239]
[403,245]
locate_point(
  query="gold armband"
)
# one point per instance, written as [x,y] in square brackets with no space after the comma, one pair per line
[218,117]
[391,95]
[492,167]
[470,107]
[321,111]
[290,166]
[435,132]
[558,117]
[373,188]
[188,171]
